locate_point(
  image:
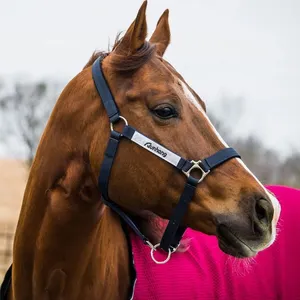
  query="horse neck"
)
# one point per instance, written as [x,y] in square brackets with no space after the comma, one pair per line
[65,240]
[69,243]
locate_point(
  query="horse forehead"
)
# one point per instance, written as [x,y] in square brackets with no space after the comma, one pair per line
[155,70]
[159,76]
[185,90]
[151,81]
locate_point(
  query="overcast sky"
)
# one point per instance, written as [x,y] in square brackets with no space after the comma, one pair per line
[246,49]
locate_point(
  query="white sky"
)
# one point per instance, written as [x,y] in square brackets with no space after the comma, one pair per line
[248,49]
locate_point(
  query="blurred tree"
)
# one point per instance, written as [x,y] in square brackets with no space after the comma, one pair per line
[220,126]
[24,112]
[290,170]
[263,162]
[267,164]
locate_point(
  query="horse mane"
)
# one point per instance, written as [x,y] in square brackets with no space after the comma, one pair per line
[122,61]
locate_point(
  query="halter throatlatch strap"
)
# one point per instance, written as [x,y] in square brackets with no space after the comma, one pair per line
[175,229]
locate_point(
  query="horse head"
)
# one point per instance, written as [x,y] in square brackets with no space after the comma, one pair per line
[154,98]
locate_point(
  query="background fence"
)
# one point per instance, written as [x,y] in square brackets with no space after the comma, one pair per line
[6,243]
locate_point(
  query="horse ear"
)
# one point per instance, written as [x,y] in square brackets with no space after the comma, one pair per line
[161,36]
[135,35]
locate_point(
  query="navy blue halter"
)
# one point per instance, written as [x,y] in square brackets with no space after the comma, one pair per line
[174,231]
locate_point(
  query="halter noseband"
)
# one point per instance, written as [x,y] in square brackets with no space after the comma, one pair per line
[174,230]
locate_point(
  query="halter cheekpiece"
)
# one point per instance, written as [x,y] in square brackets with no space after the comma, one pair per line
[174,230]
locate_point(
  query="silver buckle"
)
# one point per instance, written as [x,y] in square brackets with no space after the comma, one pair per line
[196,166]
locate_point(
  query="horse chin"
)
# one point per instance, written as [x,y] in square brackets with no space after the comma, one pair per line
[230,244]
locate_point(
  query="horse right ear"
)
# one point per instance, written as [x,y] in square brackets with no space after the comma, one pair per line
[162,35]
[135,35]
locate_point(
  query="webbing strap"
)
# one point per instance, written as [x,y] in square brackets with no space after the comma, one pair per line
[152,146]
[174,159]
[169,237]
[104,92]
[107,163]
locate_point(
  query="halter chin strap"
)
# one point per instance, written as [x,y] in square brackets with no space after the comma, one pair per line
[175,230]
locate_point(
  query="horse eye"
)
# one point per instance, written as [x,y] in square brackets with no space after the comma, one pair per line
[165,112]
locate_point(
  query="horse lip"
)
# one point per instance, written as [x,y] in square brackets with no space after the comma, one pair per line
[231,244]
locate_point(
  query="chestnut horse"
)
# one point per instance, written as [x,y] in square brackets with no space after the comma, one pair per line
[68,243]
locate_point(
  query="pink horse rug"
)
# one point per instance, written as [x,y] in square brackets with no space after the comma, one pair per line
[205,272]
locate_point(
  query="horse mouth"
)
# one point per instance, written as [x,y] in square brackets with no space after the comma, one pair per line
[233,245]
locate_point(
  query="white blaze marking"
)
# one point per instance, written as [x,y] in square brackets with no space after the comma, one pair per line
[274,201]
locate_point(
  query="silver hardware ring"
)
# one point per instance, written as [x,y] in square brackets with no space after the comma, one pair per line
[153,248]
[196,166]
[120,118]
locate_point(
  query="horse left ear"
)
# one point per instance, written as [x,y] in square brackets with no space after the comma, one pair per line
[135,35]
[161,36]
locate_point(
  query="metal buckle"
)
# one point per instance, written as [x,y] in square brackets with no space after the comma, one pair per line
[153,248]
[196,166]
[120,118]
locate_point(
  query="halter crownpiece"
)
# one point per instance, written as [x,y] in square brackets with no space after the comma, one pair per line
[174,230]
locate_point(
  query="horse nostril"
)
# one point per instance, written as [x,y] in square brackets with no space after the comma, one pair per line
[264,212]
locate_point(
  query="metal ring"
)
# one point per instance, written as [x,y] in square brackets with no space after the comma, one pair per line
[120,118]
[153,248]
